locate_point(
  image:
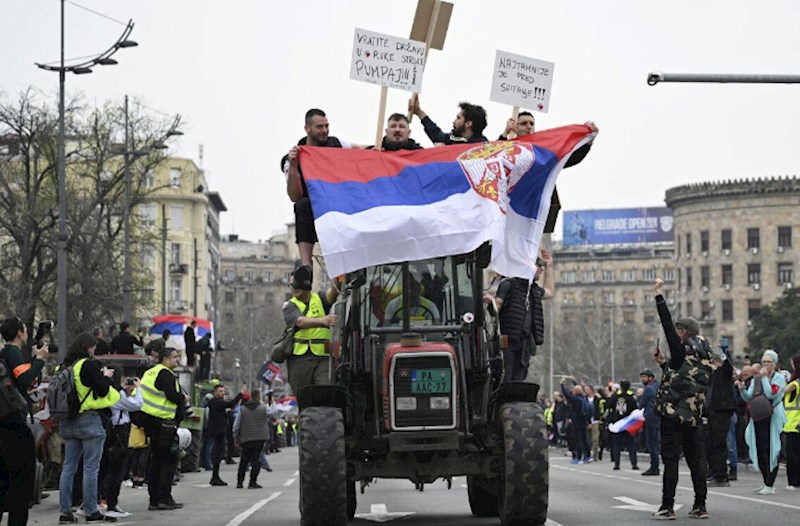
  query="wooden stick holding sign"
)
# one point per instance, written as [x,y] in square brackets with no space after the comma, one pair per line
[430,26]
[381,117]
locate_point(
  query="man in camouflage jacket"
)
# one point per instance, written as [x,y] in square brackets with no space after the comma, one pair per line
[680,402]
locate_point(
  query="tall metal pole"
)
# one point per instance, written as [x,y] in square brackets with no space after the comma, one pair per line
[163,259]
[552,320]
[61,314]
[613,357]
[196,279]
[126,279]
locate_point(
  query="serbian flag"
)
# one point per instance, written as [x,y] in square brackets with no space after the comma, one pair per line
[631,423]
[372,207]
[177,326]
[286,404]
[269,372]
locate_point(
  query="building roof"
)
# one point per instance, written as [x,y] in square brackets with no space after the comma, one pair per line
[216,201]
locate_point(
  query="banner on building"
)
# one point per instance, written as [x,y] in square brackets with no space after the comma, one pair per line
[618,226]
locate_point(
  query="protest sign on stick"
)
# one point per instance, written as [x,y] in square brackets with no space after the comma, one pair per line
[431,21]
[522,82]
[387,61]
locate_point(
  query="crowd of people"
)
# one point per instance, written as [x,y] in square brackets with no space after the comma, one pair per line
[701,407]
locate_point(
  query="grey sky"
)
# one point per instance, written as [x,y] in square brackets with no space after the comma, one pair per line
[243,73]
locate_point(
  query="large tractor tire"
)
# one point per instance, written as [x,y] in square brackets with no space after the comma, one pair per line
[483,496]
[191,461]
[323,475]
[524,483]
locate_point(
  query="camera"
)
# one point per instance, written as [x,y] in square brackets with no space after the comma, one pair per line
[130,381]
[45,328]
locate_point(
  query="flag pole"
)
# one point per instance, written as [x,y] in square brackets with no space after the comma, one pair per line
[428,39]
[381,118]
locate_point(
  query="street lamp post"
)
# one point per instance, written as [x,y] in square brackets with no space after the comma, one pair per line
[103,59]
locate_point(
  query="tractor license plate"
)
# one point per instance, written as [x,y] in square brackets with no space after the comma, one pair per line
[425,381]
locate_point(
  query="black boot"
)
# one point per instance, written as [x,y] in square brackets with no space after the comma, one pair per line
[732,474]
[215,480]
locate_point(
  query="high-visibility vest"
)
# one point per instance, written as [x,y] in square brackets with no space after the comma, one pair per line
[90,403]
[154,402]
[314,338]
[548,416]
[792,409]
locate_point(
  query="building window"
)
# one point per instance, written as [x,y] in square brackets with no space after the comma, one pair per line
[753,273]
[609,297]
[148,179]
[175,254]
[727,275]
[267,276]
[704,241]
[705,277]
[248,298]
[705,310]
[727,239]
[753,309]
[649,274]
[148,214]
[628,275]
[568,277]
[229,318]
[587,276]
[569,298]
[248,275]
[784,236]
[688,278]
[176,216]
[175,286]
[688,308]
[649,298]
[753,238]
[608,276]
[727,310]
[688,243]
[628,298]
[149,255]
[785,273]
[229,274]
[587,298]
[628,316]
[649,318]
[175,177]
[228,296]
[669,274]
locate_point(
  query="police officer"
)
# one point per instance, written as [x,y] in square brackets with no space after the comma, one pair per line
[309,312]
[679,402]
[163,407]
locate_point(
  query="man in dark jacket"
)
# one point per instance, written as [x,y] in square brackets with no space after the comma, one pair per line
[468,125]
[575,402]
[679,402]
[621,405]
[720,405]
[123,342]
[218,427]
[189,342]
[652,422]
[18,452]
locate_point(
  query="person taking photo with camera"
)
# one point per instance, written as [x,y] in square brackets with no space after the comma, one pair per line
[18,451]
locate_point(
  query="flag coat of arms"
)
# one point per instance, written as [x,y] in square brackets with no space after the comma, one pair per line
[373,207]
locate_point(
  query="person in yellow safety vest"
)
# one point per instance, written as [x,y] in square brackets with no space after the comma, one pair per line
[419,306]
[163,405]
[309,313]
[84,434]
[791,430]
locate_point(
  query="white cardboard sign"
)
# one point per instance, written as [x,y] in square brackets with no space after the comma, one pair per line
[522,81]
[387,61]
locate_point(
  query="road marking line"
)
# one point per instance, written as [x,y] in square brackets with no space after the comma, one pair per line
[289,482]
[239,519]
[551,522]
[201,485]
[686,488]
[296,474]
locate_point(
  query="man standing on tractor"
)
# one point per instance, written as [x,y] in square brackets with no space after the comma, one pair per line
[309,312]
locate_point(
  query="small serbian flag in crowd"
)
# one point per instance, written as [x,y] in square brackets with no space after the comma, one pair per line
[286,404]
[372,207]
[631,423]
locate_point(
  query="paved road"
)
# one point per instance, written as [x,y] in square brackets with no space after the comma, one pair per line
[588,494]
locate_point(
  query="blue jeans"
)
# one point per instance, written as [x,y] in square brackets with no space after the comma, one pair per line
[733,454]
[84,437]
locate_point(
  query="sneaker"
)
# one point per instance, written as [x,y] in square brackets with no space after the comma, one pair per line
[767,490]
[664,515]
[161,506]
[97,516]
[792,488]
[80,512]
[266,466]
[574,461]
[216,481]
[616,468]
[117,512]
[758,489]
[717,483]
[67,518]
[255,485]
[651,473]
[635,468]
[698,512]
[732,475]
[127,483]
[239,485]
[175,505]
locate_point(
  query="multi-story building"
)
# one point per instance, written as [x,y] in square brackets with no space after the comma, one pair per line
[183,251]
[735,250]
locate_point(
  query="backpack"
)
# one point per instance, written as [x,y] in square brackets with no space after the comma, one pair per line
[62,395]
[587,409]
[11,400]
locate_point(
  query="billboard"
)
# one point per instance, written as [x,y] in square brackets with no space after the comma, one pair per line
[618,226]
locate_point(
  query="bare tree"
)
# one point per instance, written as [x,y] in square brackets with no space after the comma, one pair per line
[95,200]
